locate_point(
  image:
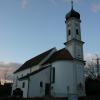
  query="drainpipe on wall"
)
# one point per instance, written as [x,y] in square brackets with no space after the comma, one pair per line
[28,84]
[50,78]
[28,87]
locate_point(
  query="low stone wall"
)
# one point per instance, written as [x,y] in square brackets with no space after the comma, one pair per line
[90,98]
[51,98]
[37,98]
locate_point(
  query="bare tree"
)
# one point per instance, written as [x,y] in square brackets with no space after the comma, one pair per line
[92,67]
[5,74]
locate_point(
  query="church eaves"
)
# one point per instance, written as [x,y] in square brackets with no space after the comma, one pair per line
[62,54]
[34,61]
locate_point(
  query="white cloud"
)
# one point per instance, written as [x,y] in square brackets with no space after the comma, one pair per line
[95,7]
[73,0]
[7,68]
[24,3]
[54,2]
[69,0]
[91,58]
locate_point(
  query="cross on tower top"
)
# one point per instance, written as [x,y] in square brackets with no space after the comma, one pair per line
[71,4]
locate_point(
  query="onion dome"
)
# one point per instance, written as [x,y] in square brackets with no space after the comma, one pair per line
[72,13]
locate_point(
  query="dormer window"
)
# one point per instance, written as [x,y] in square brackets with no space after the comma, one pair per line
[77,32]
[69,32]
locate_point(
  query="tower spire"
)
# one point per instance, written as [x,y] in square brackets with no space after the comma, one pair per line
[72,4]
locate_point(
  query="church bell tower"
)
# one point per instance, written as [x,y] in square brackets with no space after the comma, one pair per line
[73,30]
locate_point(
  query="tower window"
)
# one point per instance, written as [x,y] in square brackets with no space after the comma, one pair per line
[77,32]
[69,32]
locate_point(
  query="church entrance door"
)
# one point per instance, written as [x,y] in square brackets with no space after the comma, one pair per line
[47,89]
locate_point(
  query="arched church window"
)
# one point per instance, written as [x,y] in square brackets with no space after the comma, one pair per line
[41,84]
[77,32]
[23,84]
[69,32]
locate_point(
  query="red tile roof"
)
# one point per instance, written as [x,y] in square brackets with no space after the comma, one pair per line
[34,61]
[62,54]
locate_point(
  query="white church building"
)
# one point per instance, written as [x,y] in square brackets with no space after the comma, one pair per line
[56,72]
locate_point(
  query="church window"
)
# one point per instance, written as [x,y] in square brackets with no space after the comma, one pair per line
[41,84]
[68,88]
[69,32]
[77,32]
[23,84]
[53,75]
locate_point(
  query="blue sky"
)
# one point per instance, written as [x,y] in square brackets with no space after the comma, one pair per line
[30,27]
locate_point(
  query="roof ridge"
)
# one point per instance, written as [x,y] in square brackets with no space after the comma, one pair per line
[41,53]
[62,54]
[48,56]
[34,61]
